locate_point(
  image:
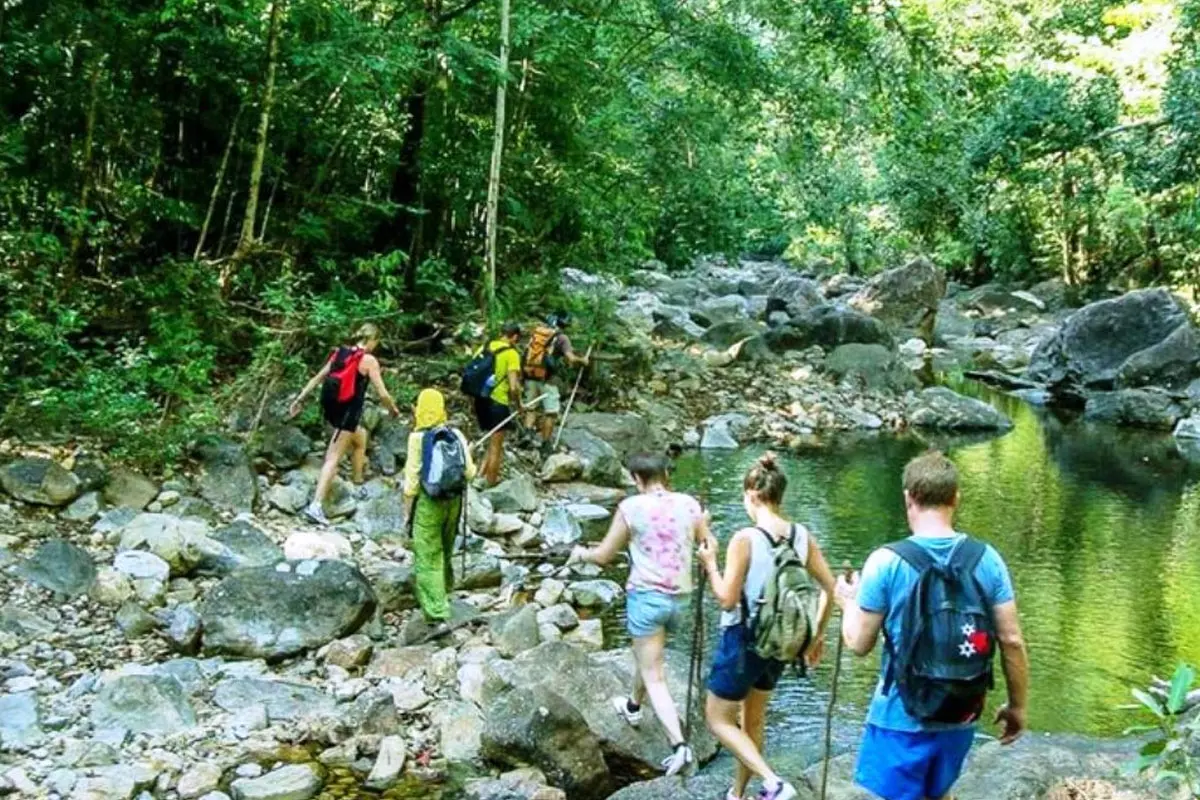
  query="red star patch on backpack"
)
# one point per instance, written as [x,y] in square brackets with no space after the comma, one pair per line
[975,642]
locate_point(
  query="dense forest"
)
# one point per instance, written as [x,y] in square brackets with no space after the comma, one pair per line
[191,188]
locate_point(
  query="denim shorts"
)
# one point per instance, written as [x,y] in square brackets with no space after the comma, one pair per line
[737,668]
[647,612]
[904,765]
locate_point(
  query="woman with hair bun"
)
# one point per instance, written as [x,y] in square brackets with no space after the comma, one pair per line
[343,380]
[741,681]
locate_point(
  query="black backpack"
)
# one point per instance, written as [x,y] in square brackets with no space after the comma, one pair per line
[942,665]
[479,375]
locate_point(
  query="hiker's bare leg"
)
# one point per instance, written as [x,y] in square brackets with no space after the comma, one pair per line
[639,686]
[495,457]
[358,455]
[333,456]
[546,426]
[648,652]
[754,720]
[722,717]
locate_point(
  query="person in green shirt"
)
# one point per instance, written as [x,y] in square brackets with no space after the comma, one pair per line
[505,398]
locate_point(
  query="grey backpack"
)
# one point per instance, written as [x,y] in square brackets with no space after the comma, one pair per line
[443,464]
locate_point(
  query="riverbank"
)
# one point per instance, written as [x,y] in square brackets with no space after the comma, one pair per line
[187,634]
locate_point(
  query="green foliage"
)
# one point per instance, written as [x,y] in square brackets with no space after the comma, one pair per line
[1170,753]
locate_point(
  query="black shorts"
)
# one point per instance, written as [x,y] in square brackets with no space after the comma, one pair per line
[489,414]
[736,668]
[344,416]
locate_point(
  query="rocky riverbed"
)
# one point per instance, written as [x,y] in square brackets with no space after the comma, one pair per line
[188,636]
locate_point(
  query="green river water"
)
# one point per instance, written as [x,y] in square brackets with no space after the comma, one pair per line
[1100,528]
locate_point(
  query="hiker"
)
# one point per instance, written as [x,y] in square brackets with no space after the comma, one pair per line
[436,473]
[921,723]
[496,392]
[548,352]
[660,528]
[762,629]
[343,380]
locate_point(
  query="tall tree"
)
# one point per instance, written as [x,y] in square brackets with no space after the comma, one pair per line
[493,196]
[250,218]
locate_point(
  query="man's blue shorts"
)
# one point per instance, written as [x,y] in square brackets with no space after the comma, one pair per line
[647,612]
[903,765]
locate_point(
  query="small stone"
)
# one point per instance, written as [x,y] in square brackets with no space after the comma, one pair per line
[549,593]
[140,565]
[561,616]
[135,622]
[388,764]
[250,770]
[549,633]
[342,755]
[199,780]
[589,635]
[61,781]
[216,796]
[85,508]
[407,695]
[598,593]
[112,588]
[293,782]
[562,468]
[350,653]
[516,632]
[506,524]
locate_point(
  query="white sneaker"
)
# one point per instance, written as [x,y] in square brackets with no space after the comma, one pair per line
[784,791]
[633,718]
[316,514]
[674,763]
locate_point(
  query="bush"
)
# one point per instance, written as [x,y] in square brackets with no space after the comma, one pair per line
[1170,755]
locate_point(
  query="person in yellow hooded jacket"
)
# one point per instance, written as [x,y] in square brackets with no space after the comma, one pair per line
[434,520]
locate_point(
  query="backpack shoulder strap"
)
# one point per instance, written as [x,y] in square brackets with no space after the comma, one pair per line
[967,555]
[913,554]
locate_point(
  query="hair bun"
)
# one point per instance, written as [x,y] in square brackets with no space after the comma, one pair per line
[768,460]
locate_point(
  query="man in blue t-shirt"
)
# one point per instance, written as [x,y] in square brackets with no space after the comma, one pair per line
[903,758]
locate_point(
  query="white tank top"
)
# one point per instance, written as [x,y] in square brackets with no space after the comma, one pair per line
[762,563]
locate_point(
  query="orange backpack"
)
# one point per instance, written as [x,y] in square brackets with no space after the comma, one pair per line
[540,357]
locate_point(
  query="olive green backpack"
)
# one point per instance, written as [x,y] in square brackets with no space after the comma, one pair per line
[786,621]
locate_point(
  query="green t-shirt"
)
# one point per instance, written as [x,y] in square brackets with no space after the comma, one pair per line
[506,362]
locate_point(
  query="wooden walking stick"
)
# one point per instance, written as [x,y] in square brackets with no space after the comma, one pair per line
[847,572]
[507,420]
[562,423]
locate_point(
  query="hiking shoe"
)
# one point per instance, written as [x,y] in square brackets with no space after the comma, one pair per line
[316,514]
[674,763]
[784,791]
[633,718]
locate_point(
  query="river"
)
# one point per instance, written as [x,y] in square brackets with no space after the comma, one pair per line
[1100,528]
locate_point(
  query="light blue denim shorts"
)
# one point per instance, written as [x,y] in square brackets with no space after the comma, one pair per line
[647,612]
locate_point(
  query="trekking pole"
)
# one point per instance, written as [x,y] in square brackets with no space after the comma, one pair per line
[696,664]
[847,572]
[507,420]
[562,423]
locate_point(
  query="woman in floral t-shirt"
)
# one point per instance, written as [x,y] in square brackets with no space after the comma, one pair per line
[661,529]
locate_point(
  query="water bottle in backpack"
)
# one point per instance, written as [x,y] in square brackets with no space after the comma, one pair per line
[942,668]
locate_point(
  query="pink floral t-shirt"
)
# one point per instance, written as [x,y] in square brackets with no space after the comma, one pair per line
[661,541]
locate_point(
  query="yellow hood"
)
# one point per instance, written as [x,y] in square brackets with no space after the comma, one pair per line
[431,409]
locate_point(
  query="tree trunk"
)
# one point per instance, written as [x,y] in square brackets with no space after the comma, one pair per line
[406,180]
[1069,235]
[85,191]
[216,192]
[264,125]
[493,199]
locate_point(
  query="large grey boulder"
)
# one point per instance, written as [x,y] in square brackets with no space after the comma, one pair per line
[517,494]
[1091,347]
[870,366]
[228,482]
[586,284]
[538,726]
[129,489]
[723,432]
[793,295]
[61,567]
[727,333]
[39,481]
[382,516]
[276,612]
[283,701]
[243,547]
[560,528]
[293,782]
[1173,363]
[943,409]
[827,325]
[906,298]
[515,631]
[154,704]
[727,308]
[626,432]
[389,445]
[19,721]
[1139,408]
[284,446]
[675,322]
[601,464]
[460,730]
[588,682]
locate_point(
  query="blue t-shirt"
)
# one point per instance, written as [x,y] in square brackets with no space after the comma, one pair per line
[887,581]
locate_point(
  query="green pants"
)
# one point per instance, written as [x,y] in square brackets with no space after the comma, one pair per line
[435,523]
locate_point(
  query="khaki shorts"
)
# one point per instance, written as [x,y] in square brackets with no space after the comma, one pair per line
[551,404]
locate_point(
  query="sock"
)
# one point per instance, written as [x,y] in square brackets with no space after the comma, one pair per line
[772,786]
[680,745]
[632,707]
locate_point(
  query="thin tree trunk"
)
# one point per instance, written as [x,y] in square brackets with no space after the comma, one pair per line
[89,139]
[1069,235]
[216,192]
[262,231]
[264,125]
[225,225]
[493,199]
